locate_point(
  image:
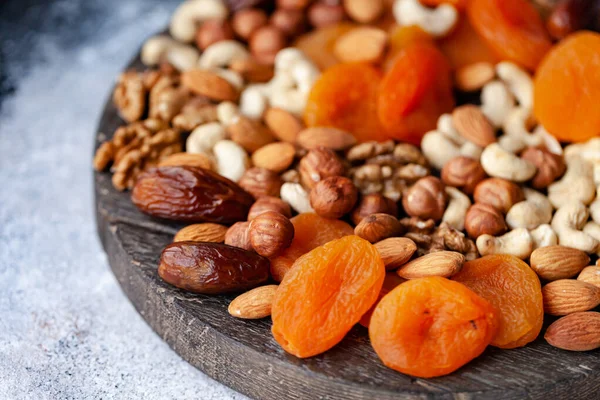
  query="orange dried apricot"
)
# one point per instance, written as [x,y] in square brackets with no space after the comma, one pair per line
[324,295]
[458,4]
[400,38]
[514,290]
[567,88]
[464,46]
[318,45]
[389,283]
[430,327]
[310,232]
[345,97]
[415,92]
[512,28]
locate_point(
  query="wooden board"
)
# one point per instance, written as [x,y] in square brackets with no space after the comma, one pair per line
[244,356]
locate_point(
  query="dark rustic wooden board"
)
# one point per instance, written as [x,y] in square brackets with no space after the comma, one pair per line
[244,356]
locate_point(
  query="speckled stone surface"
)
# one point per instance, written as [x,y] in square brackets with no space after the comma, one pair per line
[66,329]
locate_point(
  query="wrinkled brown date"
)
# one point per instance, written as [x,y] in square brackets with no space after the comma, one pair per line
[212,268]
[190,194]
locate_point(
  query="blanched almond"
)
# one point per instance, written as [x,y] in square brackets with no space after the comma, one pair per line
[579,331]
[440,263]
[276,157]
[558,262]
[332,138]
[395,251]
[473,125]
[363,44]
[253,304]
[206,232]
[567,296]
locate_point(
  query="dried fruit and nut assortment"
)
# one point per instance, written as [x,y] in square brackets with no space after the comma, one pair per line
[427,169]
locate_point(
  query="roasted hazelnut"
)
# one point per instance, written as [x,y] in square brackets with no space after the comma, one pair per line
[550,166]
[261,182]
[484,219]
[318,164]
[321,15]
[333,197]
[246,22]
[269,203]
[265,43]
[213,31]
[463,173]
[270,233]
[290,22]
[237,236]
[374,203]
[293,4]
[426,199]
[377,227]
[498,193]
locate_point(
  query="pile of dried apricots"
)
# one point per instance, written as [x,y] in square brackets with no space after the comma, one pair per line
[428,169]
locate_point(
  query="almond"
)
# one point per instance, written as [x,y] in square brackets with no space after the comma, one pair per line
[254,304]
[208,84]
[187,159]
[440,263]
[206,232]
[579,331]
[284,125]
[364,11]
[395,251]
[250,134]
[472,77]
[473,125]
[251,70]
[275,157]
[558,262]
[566,296]
[364,44]
[591,275]
[332,138]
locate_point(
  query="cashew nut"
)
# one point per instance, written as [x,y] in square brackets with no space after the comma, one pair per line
[191,13]
[568,222]
[232,159]
[163,48]
[595,207]
[231,76]
[221,54]
[496,102]
[295,195]
[593,229]
[531,213]
[457,208]
[254,101]
[550,142]
[500,163]
[286,58]
[515,127]
[511,144]
[227,113]
[517,242]
[470,149]
[589,151]
[543,236]
[446,126]
[438,148]
[576,184]
[292,101]
[519,83]
[203,138]
[437,21]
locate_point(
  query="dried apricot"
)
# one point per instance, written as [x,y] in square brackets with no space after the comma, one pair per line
[464,47]
[458,4]
[326,292]
[345,97]
[389,283]
[512,28]
[310,232]
[318,45]
[402,37]
[514,290]
[415,92]
[567,88]
[430,327]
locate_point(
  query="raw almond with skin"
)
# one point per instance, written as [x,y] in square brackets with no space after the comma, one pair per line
[440,263]
[558,262]
[474,76]
[364,44]
[187,159]
[591,275]
[284,125]
[567,296]
[395,252]
[332,138]
[208,84]
[251,70]
[207,232]
[254,304]
[276,157]
[250,134]
[579,331]
[473,125]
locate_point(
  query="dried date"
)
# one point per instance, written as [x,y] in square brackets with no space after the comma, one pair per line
[190,194]
[212,268]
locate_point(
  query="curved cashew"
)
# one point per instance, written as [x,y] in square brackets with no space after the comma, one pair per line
[457,208]
[595,207]
[223,53]
[163,48]
[190,13]
[576,184]
[295,195]
[519,83]
[287,57]
[531,213]
[227,113]
[253,101]
[437,22]
[515,126]
[549,141]
[470,149]
[543,236]
[203,138]
[293,101]
[500,163]
[446,126]
[438,148]
[230,76]
[589,151]
[511,144]
[304,73]
[517,242]
[568,223]
[593,229]
[292,82]
[232,159]
[496,102]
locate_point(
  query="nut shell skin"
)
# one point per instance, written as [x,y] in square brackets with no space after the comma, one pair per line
[426,199]
[373,203]
[269,203]
[498,193]
[319,164]
[484,219]
[237,236]
[333,197]
[550,166]
[463,173]
[270,233]
[377,227]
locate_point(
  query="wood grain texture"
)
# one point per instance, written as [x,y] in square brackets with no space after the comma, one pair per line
[244,356]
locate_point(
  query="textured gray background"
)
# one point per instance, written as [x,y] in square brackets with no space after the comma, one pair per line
[66,330]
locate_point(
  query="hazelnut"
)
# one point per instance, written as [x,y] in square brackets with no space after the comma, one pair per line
[213,31]
[265,43]
[260,182]
[550,166]
[246,22]
[373,204]
[484,219]
[269,203]
[290,22]
[321,15]
[318,164]
[377,227]
[333,197]
[426,199]
[498,193]
[293,4]
[237,236]
[463,173]
[270,233]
